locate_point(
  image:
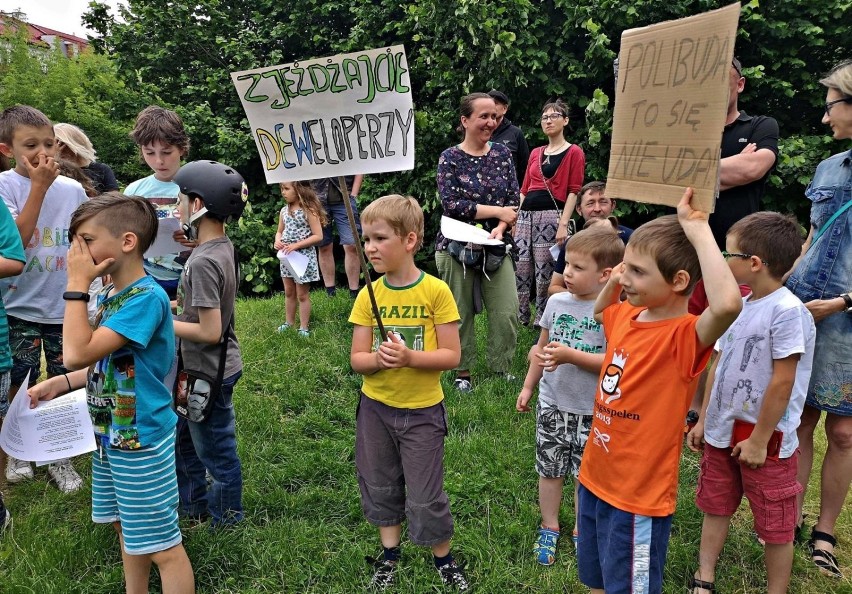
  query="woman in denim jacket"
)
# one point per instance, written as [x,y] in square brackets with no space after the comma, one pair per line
[822,279]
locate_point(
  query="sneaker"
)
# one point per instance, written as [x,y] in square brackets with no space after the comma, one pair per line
[18,470]
[283,327]
[452,575]
[304,332]
[463,384]
[384,573]
[545,546]
[64,475]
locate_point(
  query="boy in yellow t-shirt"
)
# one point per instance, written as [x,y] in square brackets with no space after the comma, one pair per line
[401,420]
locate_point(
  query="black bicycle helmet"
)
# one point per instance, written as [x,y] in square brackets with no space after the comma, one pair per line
[221,188]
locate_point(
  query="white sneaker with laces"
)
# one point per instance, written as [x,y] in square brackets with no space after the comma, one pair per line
[18,470]
[64,475]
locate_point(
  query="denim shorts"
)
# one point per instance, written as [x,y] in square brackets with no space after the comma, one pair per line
[338,217]
[771,491]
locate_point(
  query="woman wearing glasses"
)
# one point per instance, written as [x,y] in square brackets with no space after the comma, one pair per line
[822,279]
[548,195]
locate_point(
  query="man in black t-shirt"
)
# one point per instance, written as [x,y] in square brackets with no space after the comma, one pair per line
[509,134]
[749,153]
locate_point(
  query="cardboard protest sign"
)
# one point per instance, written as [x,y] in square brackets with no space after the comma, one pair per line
[670,104]
[343,115]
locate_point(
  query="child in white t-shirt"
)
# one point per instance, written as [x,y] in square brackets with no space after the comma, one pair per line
[565,363]
[759,382]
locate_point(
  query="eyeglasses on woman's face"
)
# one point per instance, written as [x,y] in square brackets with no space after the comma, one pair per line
[552,117]
[831,104]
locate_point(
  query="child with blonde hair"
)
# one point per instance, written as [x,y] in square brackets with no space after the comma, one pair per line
[300,225]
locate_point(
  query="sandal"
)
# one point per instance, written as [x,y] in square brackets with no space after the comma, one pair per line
[694,583]
[825,561]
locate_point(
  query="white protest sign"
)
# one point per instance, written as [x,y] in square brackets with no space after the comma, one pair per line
[342,115]
[670,103]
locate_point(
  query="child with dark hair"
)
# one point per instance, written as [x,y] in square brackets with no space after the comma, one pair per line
[128,355]
[163,142]
[759,382]
[41,202]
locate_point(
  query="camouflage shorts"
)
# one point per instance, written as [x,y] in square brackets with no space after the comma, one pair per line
[26,339]
[5,384]
[559,440]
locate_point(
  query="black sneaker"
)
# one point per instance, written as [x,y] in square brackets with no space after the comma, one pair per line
[384,573]
[453,576]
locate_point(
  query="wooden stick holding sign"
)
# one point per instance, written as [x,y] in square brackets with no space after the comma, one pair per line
[344,189]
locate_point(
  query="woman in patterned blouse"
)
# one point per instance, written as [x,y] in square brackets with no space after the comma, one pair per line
[477,185]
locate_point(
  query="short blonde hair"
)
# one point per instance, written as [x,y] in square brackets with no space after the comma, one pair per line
[76,141]
[664,240]
[402,213]
[840,78]
[600,242]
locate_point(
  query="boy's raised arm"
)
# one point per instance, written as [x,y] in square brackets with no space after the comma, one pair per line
[723,293]
[610,294]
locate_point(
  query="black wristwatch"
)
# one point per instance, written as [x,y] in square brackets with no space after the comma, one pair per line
[75,296]
[847,300]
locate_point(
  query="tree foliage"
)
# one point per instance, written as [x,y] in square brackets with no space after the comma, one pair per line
[180,55]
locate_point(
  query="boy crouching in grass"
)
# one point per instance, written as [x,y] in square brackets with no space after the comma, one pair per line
[565,363]
[401,420]
[655,353]
[129,353]
[750,415]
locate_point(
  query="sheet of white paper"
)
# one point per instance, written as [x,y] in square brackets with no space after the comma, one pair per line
[554,251]
[164,244]
[56,429]
[458,231]
[296,262]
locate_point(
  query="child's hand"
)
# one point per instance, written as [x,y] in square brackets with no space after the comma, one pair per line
[695,437]
[46,390]
[617,272]
[687,216]
[286,248]
[555,354]
[523,403]
[278,245]
[82,269]
[393,353]
[750,454]
[44,173]
[180,237]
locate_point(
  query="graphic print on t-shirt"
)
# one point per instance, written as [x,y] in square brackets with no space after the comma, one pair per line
[111,395]
[569,330]
[410,336]
[743,395]
[612,377]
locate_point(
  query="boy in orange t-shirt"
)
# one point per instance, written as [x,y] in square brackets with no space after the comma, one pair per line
[655,353]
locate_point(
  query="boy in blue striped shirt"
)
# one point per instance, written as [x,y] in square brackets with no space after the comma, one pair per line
[128,354]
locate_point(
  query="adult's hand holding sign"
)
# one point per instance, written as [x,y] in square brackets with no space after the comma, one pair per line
[671,99]
[343,115]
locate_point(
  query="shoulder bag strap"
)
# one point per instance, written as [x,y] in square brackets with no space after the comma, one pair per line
[828,223]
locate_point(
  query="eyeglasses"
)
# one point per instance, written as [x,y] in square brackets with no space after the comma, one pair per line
[729,255]
[553,116]
[831,104]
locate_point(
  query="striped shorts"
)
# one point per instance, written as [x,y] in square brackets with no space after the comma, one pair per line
[138,488]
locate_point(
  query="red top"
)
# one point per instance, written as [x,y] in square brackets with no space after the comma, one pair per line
[568,178]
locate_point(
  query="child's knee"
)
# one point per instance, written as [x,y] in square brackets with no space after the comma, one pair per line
[303,294]
[175,554]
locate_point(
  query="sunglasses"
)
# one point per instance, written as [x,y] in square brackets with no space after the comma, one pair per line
[729,255]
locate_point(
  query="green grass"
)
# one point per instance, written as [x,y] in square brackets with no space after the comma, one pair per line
[305,531]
